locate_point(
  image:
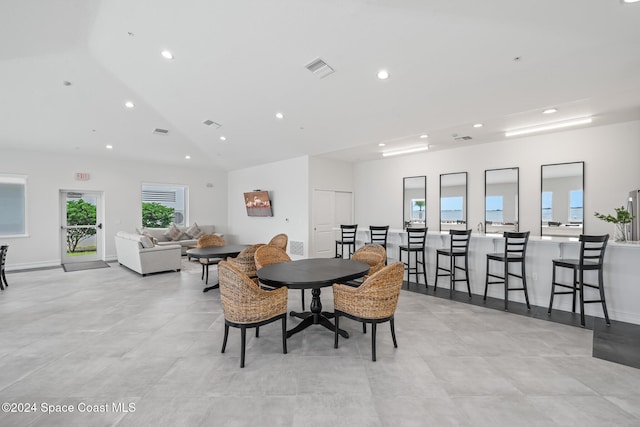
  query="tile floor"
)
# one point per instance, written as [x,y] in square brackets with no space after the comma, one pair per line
[107,338]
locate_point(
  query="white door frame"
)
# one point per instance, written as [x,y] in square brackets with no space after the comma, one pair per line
[98,226]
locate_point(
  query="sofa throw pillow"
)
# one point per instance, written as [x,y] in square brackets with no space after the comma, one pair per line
[194,231]
[173,233]
[146,242]
[153,239]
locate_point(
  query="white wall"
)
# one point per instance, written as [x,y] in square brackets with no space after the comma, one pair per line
[287,182]
[612,168]
[120,181]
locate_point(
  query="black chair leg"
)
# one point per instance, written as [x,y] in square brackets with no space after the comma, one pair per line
[335,332]
[575,281]
[243,338]
[202,275]
[553,288]
[257,331]
[284,334]
[466,274]
[364,327]
[302,292]
[373,341]
[393,332]
[486,281]
[226,335]
[206,280]
[524,285]
[581,290]
[424,271]
[601,289]
[506,286]
[435,284]
[452,275]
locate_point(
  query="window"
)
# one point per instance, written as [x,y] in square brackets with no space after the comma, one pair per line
[576,206]
[13,199]
[451,209]
[494,209]
[547,204]
[163,204]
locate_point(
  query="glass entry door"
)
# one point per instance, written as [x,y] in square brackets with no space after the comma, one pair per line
[81,229]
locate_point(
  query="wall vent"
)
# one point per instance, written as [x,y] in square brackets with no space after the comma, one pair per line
[319,68]
[212,123]
[159,131]
[462,138]
[296,248]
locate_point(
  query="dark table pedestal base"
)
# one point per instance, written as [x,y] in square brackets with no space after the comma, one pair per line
[315,317]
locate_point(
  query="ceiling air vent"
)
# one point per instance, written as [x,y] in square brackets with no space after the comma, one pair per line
[212,123]
[319,68]
[159,131]
[462,138]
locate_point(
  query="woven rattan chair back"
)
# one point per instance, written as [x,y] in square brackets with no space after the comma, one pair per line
[245,261]
[210,240]
[371,254]
[268,254]
[280,241]
[376,298]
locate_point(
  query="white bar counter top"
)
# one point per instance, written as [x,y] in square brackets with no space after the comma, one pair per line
[621,270]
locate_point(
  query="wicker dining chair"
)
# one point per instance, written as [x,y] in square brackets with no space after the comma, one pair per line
[204,242]
[374,301]
[246,262]
[372,254]
[245,305]
[272,256]
[280,240]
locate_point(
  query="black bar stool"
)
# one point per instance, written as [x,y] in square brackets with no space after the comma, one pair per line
[458,248]
[515,249]
[378,235]
[3,257]
[416,241]
[347,239]
[591,258]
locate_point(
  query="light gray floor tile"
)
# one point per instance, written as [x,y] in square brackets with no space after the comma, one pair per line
[109,335]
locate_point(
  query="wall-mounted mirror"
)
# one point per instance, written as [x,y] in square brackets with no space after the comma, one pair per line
[414,207]
[501,200]
[562,199]
[453,201]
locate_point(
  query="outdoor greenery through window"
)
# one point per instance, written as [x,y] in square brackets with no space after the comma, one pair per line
[13,200]
[163,204]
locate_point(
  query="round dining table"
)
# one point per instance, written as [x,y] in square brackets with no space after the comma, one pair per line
[314,274]
[221,252]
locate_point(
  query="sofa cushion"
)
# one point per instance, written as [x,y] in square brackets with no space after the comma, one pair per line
[146,242]
[194,231]
[173,233]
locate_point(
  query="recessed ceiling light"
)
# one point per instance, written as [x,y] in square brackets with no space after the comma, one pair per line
[166,54]
[223,138]
[478,125]
[129,104]
[108,147]
[383,74]
[382,144]
[279,116]
[424,135]
[550,126]
[187,157]
[630,1]
[550,111]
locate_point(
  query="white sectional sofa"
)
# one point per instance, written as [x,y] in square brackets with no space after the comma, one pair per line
[138,253]
[184,241]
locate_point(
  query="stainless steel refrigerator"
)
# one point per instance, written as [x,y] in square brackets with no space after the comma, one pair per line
[633,206]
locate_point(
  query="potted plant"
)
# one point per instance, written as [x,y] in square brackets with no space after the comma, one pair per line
[620,221]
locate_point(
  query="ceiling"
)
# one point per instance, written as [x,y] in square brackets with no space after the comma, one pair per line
[452,64]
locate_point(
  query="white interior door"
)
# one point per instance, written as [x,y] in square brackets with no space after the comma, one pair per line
[81,226]
[330,209]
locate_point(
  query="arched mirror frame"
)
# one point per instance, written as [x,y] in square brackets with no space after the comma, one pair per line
[508,222]
[411,192]
[563,227]
[459,224]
